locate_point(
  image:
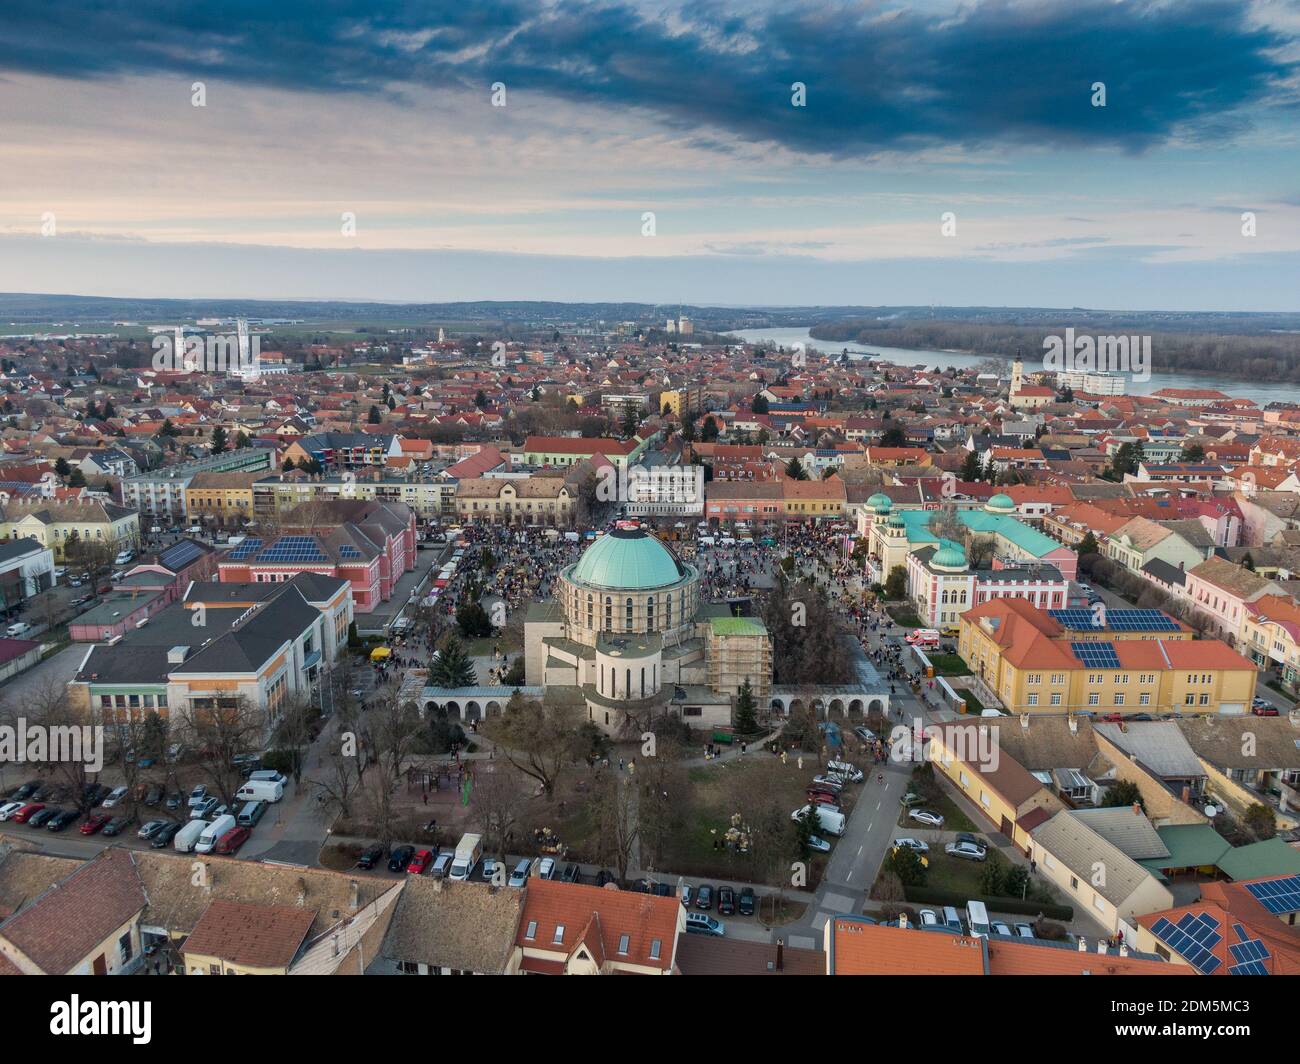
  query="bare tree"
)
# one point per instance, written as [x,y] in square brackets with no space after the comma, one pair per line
[615,798]
[222,728]
[499,801]
[540,739]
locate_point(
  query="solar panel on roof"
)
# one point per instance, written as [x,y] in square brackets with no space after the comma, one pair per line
[1193,940]
[1278,896]
[1096,655]
[1116,620]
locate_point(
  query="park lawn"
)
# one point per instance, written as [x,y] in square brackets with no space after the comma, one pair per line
[973,704]
[956,874]
[948,665]
[710,804]
[953,818]
[905,616]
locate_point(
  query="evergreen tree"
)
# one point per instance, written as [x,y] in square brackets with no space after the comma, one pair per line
[374,417]
[1088,545]
[759,404]
[795,471]
[219,444]
[970,467]
[452,668]
[746,716]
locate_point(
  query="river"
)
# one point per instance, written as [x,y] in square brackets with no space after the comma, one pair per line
[1261,393]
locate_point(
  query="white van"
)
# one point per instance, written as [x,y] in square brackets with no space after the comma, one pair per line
[977,918]
[260,791]
[468,852]
[251,814]
[188,836]
[707,541]
[830,819]
[212,833]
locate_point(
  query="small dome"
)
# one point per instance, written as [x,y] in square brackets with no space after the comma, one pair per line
[1001,502]
[949,556]
[895,520]
[880,503]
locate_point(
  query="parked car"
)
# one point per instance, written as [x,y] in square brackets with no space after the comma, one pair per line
[704,897]
[1264,711]
[701,924]
[910,799]
[61,819]
[9,809]
[95,823]
[26,791]
[845,769]
[745,902]
[1025,931]
[520,875]
[817,843]
[912,844]
[546,868]
[400,858]
[420,862]
[687,894]
[572,873]
[605,876]
[442,864]
[928,817]
[150,828]
[371,856]
[204,808]
[230,842]
[25,814]
[153,795]
[174,800]
[965,851]
[94,793]
[864,733]
[726,901]
[999,928]
[47,813]
[974,840]
[114,797]
[199,794]
[821,797]
[928,918]
[118,824]
[832,783]
[164,835]
[18,629]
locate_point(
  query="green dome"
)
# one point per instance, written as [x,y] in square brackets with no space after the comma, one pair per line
[949,556]
[1000,502]
[880,502]
[895,520]
[627,560]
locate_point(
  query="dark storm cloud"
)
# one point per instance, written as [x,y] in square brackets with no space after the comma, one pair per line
[992,73]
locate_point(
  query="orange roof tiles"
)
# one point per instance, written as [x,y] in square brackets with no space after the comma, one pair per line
[582,910]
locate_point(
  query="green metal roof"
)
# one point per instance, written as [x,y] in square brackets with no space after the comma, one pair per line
[737,626]
[628,561]
[1272,857]
[1030,540]
[1189,846]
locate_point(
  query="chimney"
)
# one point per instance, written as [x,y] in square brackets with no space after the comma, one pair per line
[1186,796]
[1123,949]
[1101,945]
[1083,944]
[780,955]
[1074,725]
[1137,808]
[902,919]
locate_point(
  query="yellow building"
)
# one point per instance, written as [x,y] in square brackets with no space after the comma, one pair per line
[221,498]
[1031,662]
[57,525]
[536,500]
[682,401]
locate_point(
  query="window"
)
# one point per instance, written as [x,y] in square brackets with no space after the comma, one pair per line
[623,942]
[1032,700]
[559,935]
[1119,698]
[1056,698]
[1094,699]
[530,932]
[655,949]
[1144,699]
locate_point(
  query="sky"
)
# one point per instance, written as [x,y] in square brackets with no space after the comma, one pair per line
[755,152]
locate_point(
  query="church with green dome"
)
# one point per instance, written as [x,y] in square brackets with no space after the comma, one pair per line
[629,635]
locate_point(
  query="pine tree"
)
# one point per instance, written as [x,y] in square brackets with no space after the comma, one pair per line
[452,668]
[746,718]
[218,440]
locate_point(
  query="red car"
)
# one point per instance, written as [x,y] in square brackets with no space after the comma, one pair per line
[1264,711]
[420,862]
[824,797]
[94,823]
[27,812]
[232,840]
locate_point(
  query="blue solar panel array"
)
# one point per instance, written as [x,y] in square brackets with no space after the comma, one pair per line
[292,549]
[180,555]
[1193,939]
[1278,896]
[1116,620]
[246,549]
[1096,655]
[1249,954]
[349,551]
